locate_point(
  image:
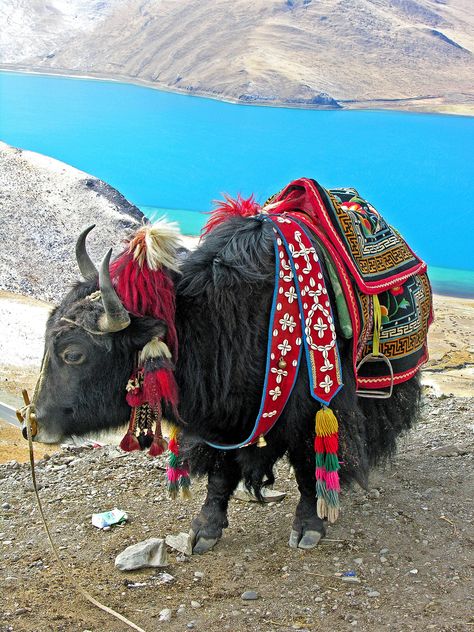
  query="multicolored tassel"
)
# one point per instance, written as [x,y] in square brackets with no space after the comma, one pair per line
[327,464]
[178,475]
[151,384]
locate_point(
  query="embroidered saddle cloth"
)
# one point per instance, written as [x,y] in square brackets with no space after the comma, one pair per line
[374,267]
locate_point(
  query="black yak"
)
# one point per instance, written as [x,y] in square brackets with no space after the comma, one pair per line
[223,293]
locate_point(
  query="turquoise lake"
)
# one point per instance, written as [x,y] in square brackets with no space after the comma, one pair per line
[177,153]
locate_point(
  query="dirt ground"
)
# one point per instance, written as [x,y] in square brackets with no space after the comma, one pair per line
[408,540]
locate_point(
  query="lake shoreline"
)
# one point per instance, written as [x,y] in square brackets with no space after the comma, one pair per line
[413,105]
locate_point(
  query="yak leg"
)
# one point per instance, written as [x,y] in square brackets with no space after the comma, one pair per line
[206,528]
[307,528]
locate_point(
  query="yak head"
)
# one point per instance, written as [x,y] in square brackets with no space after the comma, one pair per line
[90,345]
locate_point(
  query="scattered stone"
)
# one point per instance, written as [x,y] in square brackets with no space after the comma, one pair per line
[414,571]
[181,542]
[373,593]
[190,625]
[374,493]
[447,450]
[358,561]
[195,604]
[165,614]
[149,553]
[383,551]
[29,487]
[5,506]
[198,574]
[162,578]
[20,611]
[350,579]
[249,595]
[383,559]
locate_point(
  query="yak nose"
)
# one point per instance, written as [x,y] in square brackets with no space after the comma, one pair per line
[33,427]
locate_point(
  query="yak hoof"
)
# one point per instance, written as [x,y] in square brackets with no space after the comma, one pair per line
[309,540]
[203,545]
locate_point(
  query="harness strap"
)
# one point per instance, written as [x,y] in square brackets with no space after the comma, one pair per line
[300,320]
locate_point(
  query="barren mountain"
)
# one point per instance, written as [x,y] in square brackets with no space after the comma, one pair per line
[329,53]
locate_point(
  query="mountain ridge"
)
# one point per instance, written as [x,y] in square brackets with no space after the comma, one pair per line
[348,53]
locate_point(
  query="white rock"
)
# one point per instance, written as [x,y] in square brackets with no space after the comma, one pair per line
[181,542]
[144,554]
[165,615]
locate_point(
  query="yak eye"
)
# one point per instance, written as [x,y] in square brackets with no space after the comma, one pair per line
[73,356]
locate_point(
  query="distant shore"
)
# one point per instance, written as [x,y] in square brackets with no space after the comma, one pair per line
[423,104]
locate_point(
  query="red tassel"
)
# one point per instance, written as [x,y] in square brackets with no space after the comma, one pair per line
[157,447]
[173,446]
[159,385]
[318,444]
[129,443]
[331,443]
[146,292]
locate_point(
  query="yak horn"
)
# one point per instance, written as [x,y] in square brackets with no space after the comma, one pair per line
[116,316]
[86,267]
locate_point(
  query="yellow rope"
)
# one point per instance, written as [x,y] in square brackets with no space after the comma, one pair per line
[377,325]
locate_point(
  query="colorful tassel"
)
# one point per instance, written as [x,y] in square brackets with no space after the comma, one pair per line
[327,464]
[177,473]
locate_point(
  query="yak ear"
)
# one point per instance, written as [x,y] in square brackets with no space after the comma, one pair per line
[143,329]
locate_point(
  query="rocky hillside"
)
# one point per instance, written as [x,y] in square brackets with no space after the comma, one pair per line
[44,205]
[324,53]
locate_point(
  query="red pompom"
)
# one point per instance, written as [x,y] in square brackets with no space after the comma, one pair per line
[129,443]
[135,398]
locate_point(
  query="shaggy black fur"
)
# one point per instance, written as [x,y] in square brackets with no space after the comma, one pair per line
[223,305]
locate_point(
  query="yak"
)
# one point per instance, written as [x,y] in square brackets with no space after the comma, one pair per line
[223,298]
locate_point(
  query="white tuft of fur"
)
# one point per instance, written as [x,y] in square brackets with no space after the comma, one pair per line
[162,239]
[155,348]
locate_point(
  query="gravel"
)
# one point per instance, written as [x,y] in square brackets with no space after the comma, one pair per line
[296,589]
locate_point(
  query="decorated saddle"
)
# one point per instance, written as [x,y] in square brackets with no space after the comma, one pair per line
[383,302]
[384,284]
